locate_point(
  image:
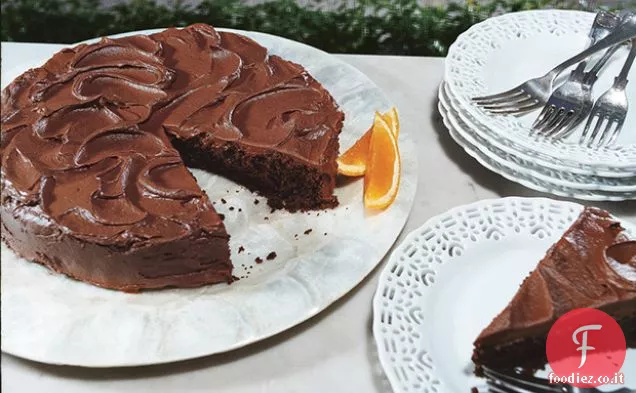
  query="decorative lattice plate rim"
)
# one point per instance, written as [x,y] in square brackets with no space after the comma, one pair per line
[465,64]
[407,284]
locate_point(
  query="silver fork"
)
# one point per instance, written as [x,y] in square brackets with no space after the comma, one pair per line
[610,109]
[534,93]
[567,106]
[516,382]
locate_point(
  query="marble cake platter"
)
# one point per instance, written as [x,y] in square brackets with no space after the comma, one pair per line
[320,256]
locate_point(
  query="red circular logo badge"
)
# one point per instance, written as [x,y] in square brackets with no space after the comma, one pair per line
[586,348]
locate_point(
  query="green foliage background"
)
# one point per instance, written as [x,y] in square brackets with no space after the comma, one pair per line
[401,27]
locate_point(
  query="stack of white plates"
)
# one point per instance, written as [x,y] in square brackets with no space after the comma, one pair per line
[501,53]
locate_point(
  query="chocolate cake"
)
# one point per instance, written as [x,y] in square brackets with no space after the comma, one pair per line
[96,142]
[575,273]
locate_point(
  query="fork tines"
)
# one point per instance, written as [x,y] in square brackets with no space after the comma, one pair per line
[513,101]
[553,121]
[608,134]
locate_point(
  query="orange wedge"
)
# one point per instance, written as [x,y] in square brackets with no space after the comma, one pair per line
[382,176]
[354,161]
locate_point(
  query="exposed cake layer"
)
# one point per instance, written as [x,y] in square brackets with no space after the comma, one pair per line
[89,169]
[284,181]
[575,273]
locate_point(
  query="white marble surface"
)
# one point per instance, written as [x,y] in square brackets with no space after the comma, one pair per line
[334,351]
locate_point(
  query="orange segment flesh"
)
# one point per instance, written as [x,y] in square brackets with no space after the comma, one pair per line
[382,177]
[354,161]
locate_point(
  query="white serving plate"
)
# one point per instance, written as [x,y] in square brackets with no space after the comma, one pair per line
[49,318]
[450,278]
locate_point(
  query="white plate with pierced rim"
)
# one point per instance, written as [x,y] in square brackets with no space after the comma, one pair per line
[507,167]
[502,52]
[451,277]
[321,256]
[498,148]
[498,153]
[516,169]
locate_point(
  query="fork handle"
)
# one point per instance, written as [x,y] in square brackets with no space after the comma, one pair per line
[621,390]
[625,31]
[604,23]
[621,79]
[592,75]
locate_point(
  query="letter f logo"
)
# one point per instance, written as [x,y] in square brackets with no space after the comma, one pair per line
[584,347]
[572,348]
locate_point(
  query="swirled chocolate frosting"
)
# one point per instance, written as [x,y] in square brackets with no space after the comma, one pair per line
[591,266]
[95,142]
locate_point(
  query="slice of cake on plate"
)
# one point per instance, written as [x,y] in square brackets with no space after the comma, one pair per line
[575,273]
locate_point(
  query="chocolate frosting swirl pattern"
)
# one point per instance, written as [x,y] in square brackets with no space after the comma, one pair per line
[85,135]
[87,139]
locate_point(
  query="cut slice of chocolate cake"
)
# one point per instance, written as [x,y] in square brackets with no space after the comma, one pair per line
[575,273]
[95,145]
